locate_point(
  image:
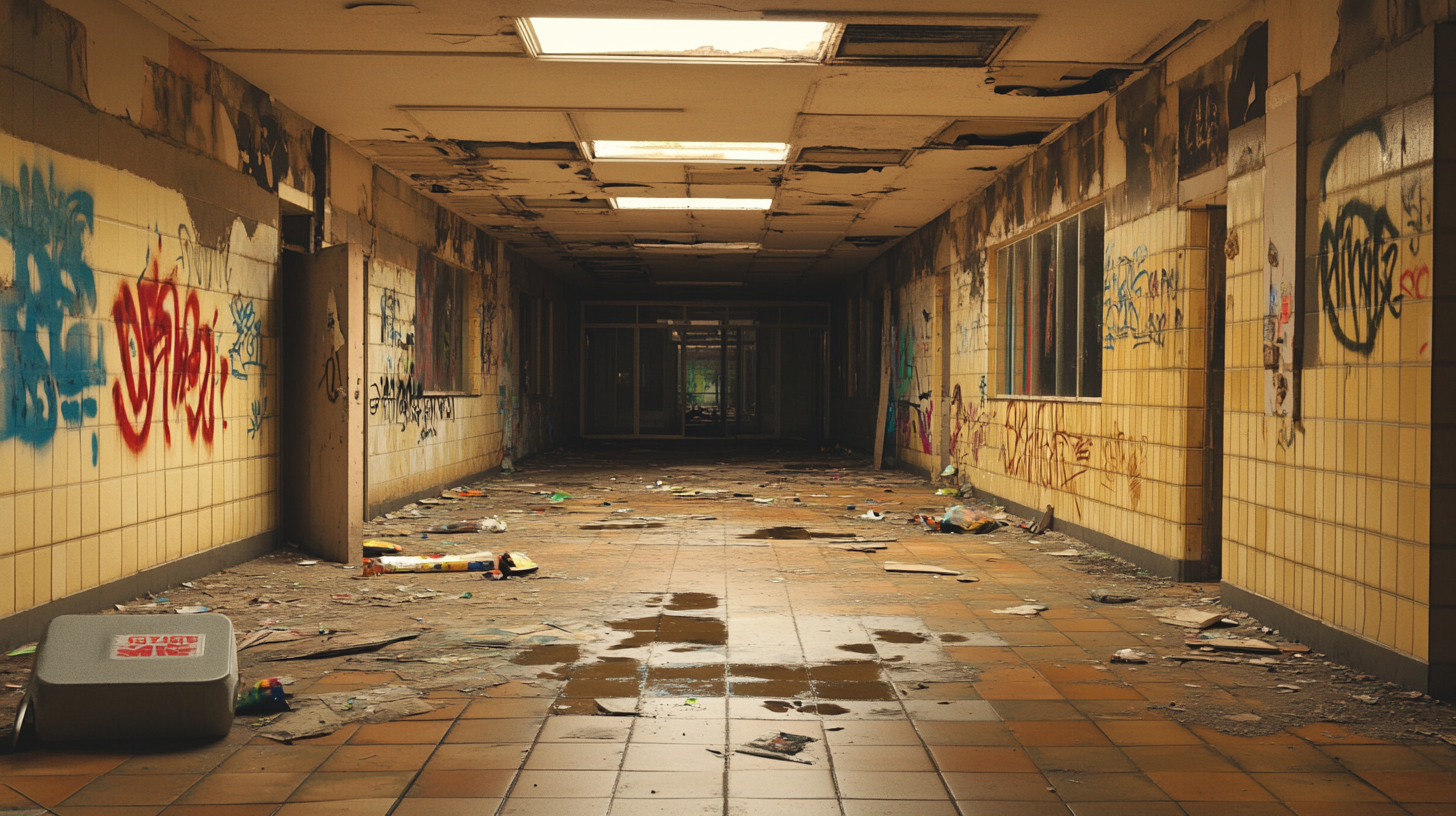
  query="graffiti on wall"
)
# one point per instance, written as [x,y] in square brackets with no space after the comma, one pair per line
[485,313]
[440,304]
[1139,303]
[970,428]
[1362,280]
[56,354]
[914,408]
[245,354]
[1041,450]
[402,401]
[1122,461]
[169,359]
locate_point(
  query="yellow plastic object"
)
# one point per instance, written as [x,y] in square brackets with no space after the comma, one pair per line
[521,564]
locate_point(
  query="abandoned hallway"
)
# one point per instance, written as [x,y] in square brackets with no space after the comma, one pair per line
[718,618]
[1023,406]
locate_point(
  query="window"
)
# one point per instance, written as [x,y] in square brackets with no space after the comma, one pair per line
[528,352]
[440,302]
[1051,302]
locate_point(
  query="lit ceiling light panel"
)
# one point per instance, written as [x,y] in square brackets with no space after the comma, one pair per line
[704,246]
[692,203]
[759,152]
[710,40]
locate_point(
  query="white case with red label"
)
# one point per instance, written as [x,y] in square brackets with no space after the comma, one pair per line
[107,677]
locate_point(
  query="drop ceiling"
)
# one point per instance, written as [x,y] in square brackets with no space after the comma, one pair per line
[444,94]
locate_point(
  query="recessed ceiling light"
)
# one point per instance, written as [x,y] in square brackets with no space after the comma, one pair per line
[723,40]
[692,203]
[765,152]
[703,246]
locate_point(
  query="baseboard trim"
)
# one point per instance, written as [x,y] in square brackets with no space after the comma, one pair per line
[25,627]
[390,505]
[1176,569]
[1337,644]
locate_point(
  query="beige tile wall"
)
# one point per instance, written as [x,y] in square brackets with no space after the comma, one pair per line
[83,502]
[1334,521]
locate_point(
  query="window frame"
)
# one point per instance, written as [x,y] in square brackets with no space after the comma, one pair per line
[1018,269]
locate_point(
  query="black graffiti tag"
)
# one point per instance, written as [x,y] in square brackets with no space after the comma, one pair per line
[1358,258]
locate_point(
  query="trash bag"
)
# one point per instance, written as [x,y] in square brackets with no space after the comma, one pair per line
[263,697]
[959,519]
[490,525]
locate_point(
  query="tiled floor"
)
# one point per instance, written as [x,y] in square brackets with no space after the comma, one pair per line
[920,698]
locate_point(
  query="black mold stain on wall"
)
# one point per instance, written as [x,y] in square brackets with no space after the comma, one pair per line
[1250,78]
[1149,146]
[1203,120]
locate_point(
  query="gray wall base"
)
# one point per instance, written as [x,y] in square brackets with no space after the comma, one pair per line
[25,627]
[1337,644]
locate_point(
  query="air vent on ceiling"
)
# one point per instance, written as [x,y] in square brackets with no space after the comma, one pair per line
[850,155]
[616,270]
[968,45]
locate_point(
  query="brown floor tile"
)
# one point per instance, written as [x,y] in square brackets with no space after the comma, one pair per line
[890,785]
[880,758]
[981,787]
[1332,734]
[1036,710]
[1087,625]
[276,758]
[242,789]
[325,787]
[1109,787]
[449,711]
[1196,786]
[1057,672]
[970,808]
[1443,756]
[345,807]
[493,731]
[219,810]
[964,733]
[1097,691]
[938,691]
[401,732]
[471,784]
[151,789]
[1413,786]
[1360,758]
[337,738]
[364,758]
[1081,759]
[47,790]
[1318,787]
[1347,809]
[1125,808]
[181,761]
[454,807]
[1059,733]
[1153,732]
[875,732]
[1235,809]
[108,810]
[1013,690]
[1180,758]
[482,756]
[507,708]
[62,763]
[652,756]
[1301,758]
[979,759]
[820,807]
[670,785]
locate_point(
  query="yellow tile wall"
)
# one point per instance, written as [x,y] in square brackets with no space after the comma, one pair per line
[1334,522]
[82,502]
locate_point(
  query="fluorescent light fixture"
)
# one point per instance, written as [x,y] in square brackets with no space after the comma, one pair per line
[758,152]
[703,246]
[692,203]
[717,40]
[699,283]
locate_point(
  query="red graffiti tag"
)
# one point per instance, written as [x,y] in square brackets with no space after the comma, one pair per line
[1416,283]
[161,334]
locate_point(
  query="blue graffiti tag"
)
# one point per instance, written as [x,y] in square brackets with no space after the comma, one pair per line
[56,353]
[1136,301]
[244,352]
[255,418]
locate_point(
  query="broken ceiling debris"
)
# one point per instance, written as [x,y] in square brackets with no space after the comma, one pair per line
[895,566]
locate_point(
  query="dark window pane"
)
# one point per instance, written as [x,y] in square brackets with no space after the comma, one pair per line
[609,355]
[814,314]
[1067,300]
[659,314]
[1092,297]
[1008,315]
[1044,310]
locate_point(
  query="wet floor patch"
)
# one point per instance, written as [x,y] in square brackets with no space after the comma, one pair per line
[688,601]
[788,534]
[686,681]
[609,668]
[854,691]
[822,709]
[849,671]
[893,636]
[670,629]
[953,638]
[547,655]
[644,525]
[576,687]
[770,688]
[769,671]
[858,648]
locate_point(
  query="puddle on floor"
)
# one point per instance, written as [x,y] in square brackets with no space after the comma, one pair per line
[671,629]
[685,681]
[953,638]
[770,688]
[825,709]
[609,668]
[892,636]
[583,707]
[854,691]
[788,534]
[687,601]
[547,655]
[769,672]
[858,648]
[577,687]
[850,671]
